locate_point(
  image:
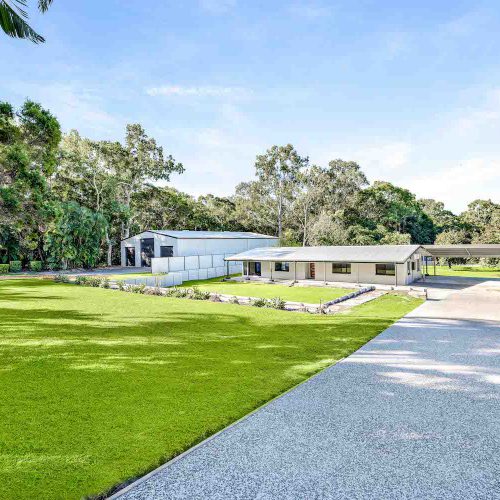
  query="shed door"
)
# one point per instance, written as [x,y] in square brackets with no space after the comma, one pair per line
[147,251]
[312,270]
[130,256]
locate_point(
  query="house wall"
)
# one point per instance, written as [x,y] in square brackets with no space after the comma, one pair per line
[193,246]
[360,273]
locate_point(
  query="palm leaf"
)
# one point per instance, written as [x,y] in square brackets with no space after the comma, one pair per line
[43,5]
[12,20]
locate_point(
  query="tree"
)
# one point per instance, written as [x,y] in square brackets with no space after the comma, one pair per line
[13,19]
[309,199]
[279,170]
[74,236]
[442,219]
[343,181]
[140,160]
[29,142]
[85,175]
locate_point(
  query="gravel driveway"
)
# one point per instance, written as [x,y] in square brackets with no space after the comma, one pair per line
[414,414]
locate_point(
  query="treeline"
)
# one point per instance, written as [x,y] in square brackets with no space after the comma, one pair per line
[68,201]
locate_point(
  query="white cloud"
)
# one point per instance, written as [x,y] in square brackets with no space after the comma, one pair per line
[460,184]
[381,157]
[197,91]
[309,10]
[217,6]
[75,106]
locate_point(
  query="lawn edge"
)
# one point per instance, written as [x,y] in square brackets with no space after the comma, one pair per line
[117,491]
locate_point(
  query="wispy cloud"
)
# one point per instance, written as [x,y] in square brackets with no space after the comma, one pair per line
[309,10]
[197,91]
[217,6]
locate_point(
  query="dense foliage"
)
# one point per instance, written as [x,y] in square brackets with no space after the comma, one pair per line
[68,201]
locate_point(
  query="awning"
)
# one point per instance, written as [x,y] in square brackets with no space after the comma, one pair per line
[464,251]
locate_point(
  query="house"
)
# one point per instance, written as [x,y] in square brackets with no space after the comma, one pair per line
[378,264]
[140,249]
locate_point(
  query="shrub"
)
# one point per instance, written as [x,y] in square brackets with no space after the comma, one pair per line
[197,294]
[36,266]
[104,283]
[61,278]
[259,302]
[15,266]
[121,285]
[234,300]
[81,280]
[93,281]
[153,291]
[276,303]
[137,288]
[53,266]
[4,268]
[179,293]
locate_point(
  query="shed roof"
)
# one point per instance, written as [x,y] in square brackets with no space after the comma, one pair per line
[223,235]
[368,253]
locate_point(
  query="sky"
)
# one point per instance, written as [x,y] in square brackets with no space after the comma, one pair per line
[409,90]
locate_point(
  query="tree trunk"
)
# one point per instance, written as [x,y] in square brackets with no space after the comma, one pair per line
[110,248]
[280,216]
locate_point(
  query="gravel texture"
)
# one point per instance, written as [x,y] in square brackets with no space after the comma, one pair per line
[414,414]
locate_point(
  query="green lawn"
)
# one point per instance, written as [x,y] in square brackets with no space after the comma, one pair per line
[310,295]
[466,271]
[98,386]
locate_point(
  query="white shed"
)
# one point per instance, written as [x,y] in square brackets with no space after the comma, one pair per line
[138,250]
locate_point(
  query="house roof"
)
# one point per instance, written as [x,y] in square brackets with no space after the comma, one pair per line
[221,235]
[368,253]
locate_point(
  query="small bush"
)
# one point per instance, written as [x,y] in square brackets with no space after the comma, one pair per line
[259,302]
[4,268]
[61,278]
[93,281]
[276,303]
[121,285]
[234,300]
[15,266]
[178,293]
[197,294]
[137,288]
[53,266]
[81,280]
[36,266]
[153,291]
[105,283]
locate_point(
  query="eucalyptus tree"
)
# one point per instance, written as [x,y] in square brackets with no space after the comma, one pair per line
[136,163]
[14,19]
[279,170]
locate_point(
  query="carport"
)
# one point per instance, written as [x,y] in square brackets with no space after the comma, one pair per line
[465,251]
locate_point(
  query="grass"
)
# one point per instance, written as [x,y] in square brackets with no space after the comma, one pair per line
[466,271]
[98,386]
[310,295]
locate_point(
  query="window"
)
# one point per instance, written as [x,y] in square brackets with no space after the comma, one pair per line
[282,266]
[166,251]
[413,266]
[341,268]
[385,269]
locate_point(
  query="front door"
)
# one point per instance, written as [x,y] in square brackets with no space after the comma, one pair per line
[312,271]
[130,256]
[254,268]
[147,251]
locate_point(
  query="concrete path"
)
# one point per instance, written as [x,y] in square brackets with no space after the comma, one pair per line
[414,414]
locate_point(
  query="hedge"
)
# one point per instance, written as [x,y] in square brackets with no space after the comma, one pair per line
[36,266]
[15,266]
[4,268]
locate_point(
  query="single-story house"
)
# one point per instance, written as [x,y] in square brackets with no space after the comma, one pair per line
[378,264]
[138,250]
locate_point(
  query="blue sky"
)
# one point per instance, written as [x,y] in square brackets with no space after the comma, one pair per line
[410,90]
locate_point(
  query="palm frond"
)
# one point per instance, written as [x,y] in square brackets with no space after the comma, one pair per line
[43,5]
[12,21]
